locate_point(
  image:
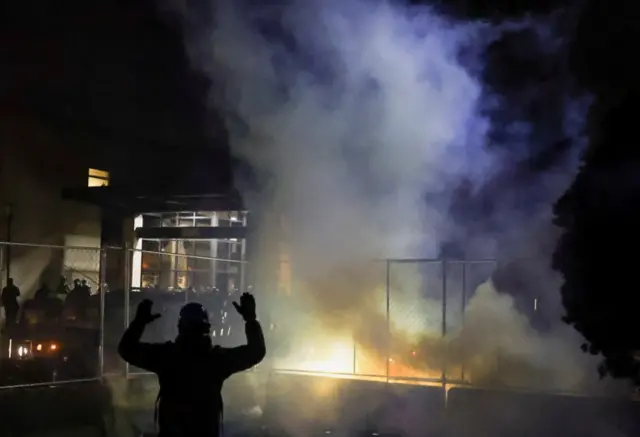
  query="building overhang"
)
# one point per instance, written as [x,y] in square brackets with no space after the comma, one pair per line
[119,199]
[193,233]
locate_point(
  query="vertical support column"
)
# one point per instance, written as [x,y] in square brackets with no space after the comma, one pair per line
[7,260]
[101,290]
[243,255]
[127,296]
[2,267]
[388,283]
[173,275]
[444,317]
[213,251]
[136,269]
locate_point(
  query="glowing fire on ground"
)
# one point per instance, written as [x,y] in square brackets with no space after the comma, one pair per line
[342,358]
[333,357]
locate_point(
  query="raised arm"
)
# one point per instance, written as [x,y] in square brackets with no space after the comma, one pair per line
[148,356]
[244,357]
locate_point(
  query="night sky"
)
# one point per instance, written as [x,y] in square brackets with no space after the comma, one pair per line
[118,70]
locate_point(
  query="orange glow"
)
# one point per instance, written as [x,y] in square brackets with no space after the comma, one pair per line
[336,357]
[339,358]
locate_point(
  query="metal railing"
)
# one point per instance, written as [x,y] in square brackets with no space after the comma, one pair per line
[449,283]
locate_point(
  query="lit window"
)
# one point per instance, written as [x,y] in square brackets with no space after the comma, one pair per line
[98,178]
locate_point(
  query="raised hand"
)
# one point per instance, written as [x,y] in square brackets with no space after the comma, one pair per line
[143,313]
[247,307]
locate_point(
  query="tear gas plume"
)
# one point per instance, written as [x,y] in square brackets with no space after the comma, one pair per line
[360,120]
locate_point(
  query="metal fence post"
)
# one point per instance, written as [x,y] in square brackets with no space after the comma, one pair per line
[444,317]
[388,283]
[2,258]
[354,356]
[464,306]
[127,296]
[101,290]
[7,260]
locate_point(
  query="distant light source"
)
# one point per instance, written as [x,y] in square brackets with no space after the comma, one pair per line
[98,178]
[138,221]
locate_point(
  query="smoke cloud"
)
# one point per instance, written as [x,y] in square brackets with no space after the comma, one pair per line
[361,119]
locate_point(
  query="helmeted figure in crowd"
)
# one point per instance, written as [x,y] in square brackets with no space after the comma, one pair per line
[191,370]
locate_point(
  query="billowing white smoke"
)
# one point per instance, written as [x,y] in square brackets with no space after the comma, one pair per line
[363,114]
[360,119]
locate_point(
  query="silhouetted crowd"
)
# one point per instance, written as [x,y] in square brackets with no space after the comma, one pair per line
[79,304]
[47,305]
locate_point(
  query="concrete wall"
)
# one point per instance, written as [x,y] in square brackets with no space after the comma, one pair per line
[36,162]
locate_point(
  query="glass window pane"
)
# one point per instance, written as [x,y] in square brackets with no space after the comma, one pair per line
[99,173]
[97,182]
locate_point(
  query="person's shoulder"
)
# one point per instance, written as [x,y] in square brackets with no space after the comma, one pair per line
[168,350]
[219,351]
[166,347]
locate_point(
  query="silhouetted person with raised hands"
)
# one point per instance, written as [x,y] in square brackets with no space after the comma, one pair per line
[191,370]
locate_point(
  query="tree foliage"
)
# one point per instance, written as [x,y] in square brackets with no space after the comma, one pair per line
[598,253]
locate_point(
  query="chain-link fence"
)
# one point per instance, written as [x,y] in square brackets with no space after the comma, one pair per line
[51,313]
[405,314]
[72,305]
[428,303]
[75,302]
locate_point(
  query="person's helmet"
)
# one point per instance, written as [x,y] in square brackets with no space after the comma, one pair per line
[194,318]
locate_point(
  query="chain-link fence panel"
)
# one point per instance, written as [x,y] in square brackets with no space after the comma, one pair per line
[51,313]
[428,301]
[115,319]
[416,296]
[335,323]
[371,332]
[462,280]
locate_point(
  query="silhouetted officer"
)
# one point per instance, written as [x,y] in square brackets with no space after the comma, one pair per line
[9,300]
[190,369]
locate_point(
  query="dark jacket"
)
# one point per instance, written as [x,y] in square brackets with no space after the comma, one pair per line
[191,377]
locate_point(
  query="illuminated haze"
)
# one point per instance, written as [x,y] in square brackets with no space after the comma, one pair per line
[360,120]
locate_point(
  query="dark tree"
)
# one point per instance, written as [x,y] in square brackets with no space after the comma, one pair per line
[598,251]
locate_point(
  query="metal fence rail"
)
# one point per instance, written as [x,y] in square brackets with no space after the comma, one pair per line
[118,278]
